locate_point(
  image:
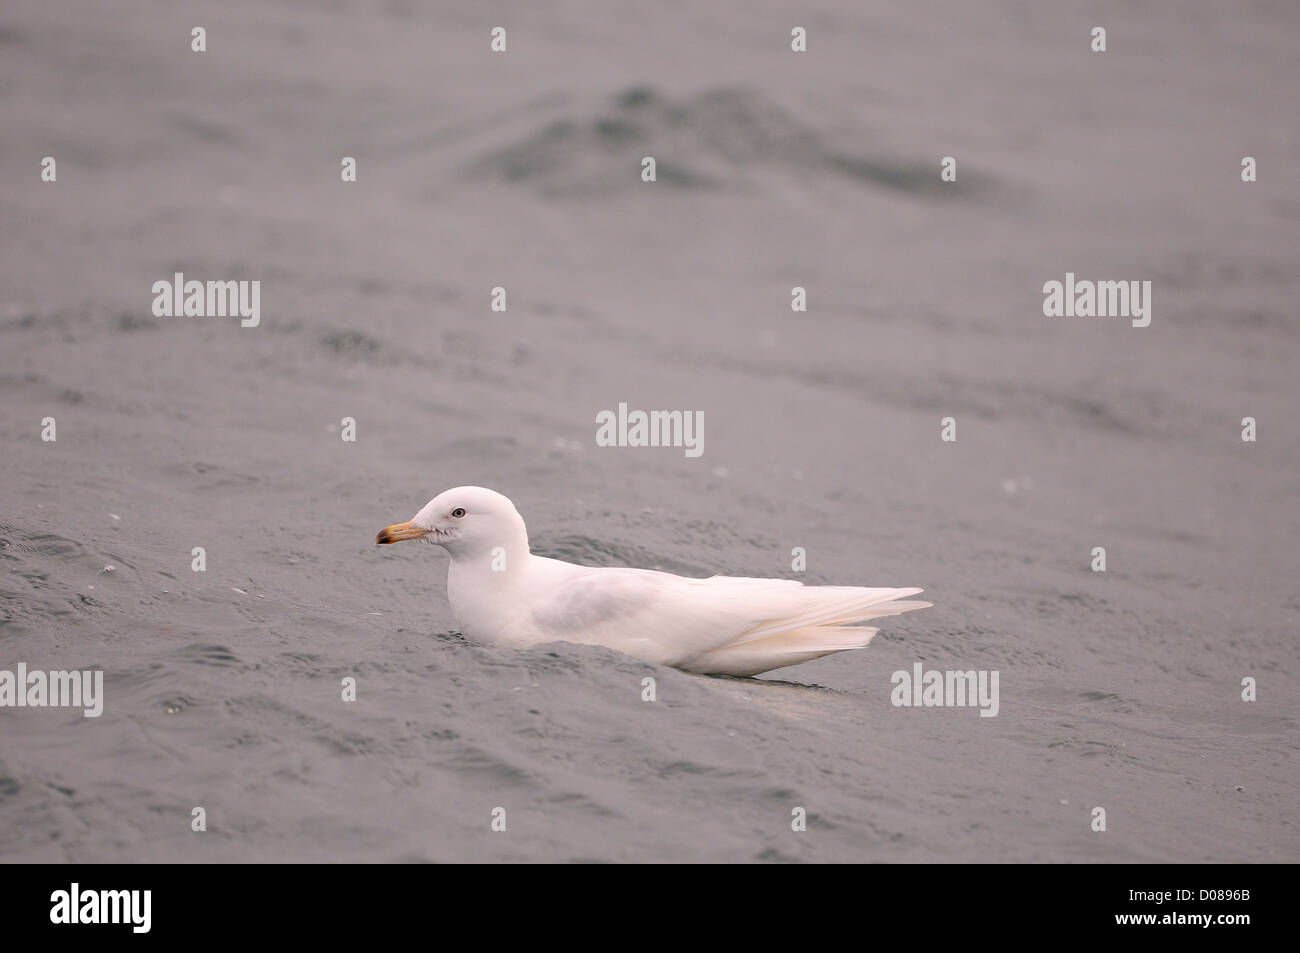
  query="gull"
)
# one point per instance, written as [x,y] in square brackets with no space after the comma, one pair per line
[500,592]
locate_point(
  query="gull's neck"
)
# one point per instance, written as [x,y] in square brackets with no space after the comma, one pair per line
[479,585]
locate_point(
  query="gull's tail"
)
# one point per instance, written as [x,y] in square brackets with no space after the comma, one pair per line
[821,623]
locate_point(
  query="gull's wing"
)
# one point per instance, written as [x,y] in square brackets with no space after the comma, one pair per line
[724,624]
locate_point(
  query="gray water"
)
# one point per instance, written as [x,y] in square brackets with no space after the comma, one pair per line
[1119,690]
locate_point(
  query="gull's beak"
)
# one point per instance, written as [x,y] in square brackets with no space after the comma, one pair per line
[398,532]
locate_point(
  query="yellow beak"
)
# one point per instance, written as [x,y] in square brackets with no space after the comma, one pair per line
[398,532]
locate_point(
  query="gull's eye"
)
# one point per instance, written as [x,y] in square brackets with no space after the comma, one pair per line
[458,513]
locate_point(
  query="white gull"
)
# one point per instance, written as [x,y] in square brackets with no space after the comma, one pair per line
[724,625]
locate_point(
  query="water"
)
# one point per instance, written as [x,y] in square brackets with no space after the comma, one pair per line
[1119,690]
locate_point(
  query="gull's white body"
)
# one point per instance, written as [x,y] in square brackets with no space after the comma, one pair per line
[724,625]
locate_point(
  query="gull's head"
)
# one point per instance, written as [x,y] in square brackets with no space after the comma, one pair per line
[465,521]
